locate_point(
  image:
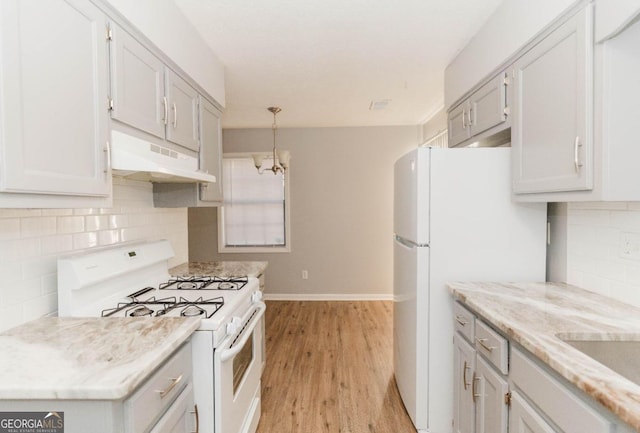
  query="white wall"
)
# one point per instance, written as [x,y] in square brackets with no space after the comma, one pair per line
[31,240]
[594,249]
[341,210]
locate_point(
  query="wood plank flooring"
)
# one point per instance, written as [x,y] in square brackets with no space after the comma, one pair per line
[330,369]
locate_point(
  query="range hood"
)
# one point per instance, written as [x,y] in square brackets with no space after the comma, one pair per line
[138,159]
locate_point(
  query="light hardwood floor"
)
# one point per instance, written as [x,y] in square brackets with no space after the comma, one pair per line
[330,369]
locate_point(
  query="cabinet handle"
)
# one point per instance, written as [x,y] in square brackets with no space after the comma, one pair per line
[165,110]
[576,154]
[107,151]
[195,412]
[464,375]
[461,321]
[464,125]
[175,116]
[470,122]
[173,384]
[473,387]
[482,343]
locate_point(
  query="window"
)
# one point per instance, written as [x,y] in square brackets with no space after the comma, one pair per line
[255,212]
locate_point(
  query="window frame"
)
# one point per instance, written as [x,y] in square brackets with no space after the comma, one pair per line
[286,248]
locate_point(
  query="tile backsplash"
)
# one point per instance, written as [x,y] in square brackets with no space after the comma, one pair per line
[31,240]
[603,248]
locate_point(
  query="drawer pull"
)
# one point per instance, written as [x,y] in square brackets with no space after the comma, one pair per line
[473,387]
[174,382]
[461,321]
[464,375]
[195,412]
[482,342]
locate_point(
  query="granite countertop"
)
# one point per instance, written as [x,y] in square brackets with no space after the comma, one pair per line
[535,314]
[220,269]
[86,358]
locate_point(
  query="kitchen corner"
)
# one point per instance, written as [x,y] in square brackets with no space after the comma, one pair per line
[541,321]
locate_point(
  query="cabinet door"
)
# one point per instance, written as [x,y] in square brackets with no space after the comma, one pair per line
[458,124]
[490,392]
[183,112]
[553,106]
[487,106]
[137,85]
[463,405]
[524,419]
[53,81]
[210,151]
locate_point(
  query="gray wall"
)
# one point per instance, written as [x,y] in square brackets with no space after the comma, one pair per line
[341,211]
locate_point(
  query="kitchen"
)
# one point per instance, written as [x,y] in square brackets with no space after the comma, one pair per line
[33,238]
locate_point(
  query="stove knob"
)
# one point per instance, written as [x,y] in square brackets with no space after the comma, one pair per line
[256,297]
[233,326]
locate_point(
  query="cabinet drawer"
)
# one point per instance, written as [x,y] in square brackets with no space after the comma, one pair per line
[493,346]
[560,405]
[464,321]
[150,401]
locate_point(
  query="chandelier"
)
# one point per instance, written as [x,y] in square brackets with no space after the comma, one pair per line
[280,157]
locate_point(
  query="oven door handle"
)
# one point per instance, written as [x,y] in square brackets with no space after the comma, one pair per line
[246,334]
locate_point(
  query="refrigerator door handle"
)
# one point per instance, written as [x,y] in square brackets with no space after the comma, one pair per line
[409,244]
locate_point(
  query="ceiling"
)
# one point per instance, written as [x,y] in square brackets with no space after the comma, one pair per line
[325,61]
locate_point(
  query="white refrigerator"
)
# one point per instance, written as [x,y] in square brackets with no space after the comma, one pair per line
[454,220]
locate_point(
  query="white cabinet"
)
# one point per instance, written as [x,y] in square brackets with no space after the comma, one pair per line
[53,87]
[524,419]
[182,105]
[484,109]
[551,133]
[210,151]
[491,399]
[480,389]
[464,359]
[149,96]
[198,194]
[137,84]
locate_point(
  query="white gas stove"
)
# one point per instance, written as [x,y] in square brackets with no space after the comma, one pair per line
[133,281]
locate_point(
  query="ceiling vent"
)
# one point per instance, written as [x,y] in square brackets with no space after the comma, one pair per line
[379,104]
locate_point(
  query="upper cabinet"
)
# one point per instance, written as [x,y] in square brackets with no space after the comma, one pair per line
[149,96]
[571,104]
[54,116]
[553,107]
[484,112]
[201,194]
[65,65]
[137,85]
[211,152]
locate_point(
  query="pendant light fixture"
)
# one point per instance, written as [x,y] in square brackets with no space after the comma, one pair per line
[280,157]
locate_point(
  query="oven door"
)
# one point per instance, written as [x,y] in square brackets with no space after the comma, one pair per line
[238,368]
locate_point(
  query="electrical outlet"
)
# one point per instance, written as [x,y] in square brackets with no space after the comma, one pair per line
[305,274]
[630,246]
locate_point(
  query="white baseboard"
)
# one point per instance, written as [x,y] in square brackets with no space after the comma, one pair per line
[328,297]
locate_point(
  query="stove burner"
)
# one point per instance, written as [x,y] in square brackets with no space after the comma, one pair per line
[201,282]
[140,311]
[192,310]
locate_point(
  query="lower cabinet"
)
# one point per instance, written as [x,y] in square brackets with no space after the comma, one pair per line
[464,358]
[164,403]
[481,391]
[500,388]
[524,418]
[491,395]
